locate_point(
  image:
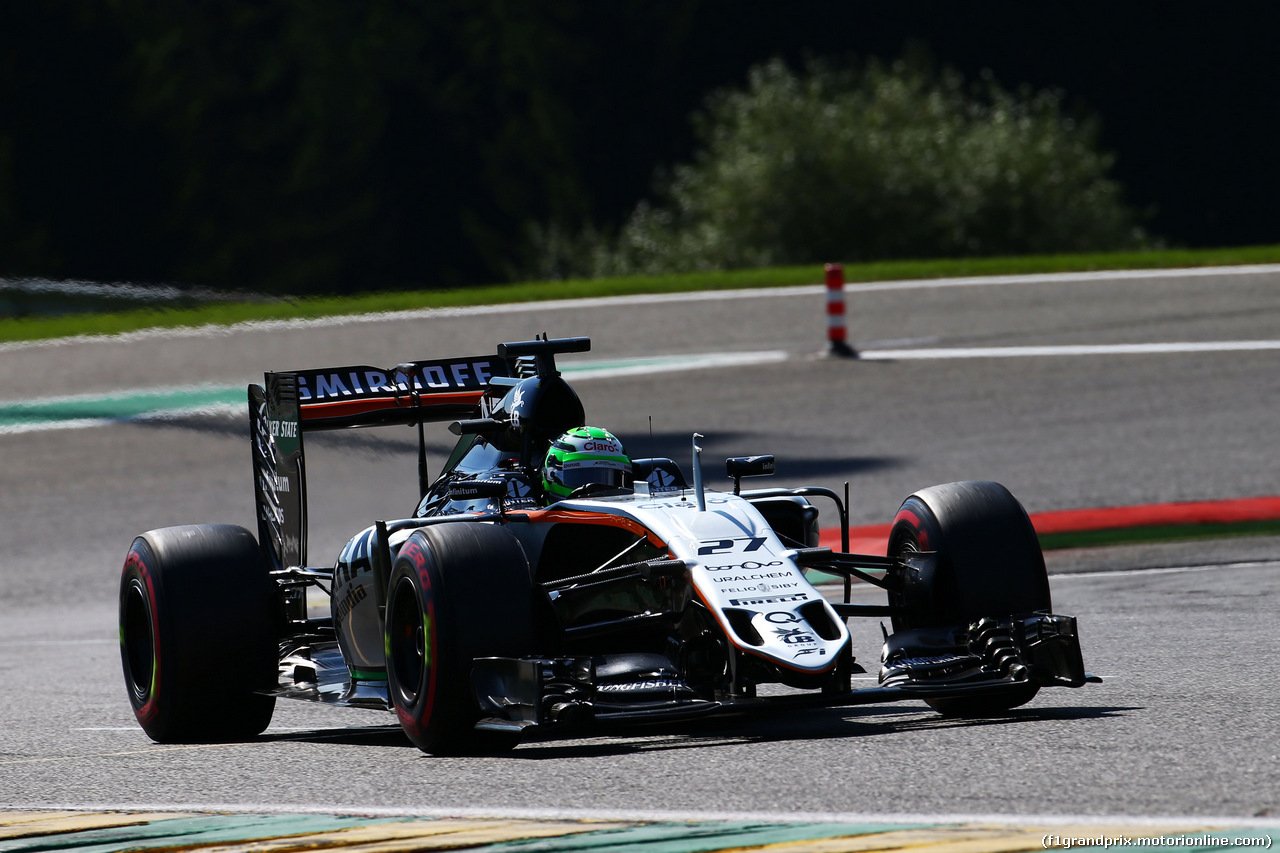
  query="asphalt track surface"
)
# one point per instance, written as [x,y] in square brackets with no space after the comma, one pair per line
[1184,635]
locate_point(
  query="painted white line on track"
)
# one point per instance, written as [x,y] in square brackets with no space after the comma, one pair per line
[130,729]
[1171,348]
[228,409]
[1216,821]
[81,423]
[1063,277]
[814,290]
[150,417]
[668,363]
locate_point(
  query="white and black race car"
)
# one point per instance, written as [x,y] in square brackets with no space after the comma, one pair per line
[498,606]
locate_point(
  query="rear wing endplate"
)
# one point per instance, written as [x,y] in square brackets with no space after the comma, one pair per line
[290,404]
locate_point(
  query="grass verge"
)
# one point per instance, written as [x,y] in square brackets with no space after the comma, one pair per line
[228,313]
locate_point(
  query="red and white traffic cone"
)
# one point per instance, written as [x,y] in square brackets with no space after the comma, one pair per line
[837,342]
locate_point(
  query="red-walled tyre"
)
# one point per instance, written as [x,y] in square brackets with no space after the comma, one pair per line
[457,592]
[198,634]
[989,563]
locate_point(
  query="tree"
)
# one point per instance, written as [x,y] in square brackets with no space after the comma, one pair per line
[865,162]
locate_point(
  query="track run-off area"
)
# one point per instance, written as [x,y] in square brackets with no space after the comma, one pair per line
[1078,392]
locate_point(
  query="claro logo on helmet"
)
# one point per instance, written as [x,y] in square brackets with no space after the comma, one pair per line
[595,446]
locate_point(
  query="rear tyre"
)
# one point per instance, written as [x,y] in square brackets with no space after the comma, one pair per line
[989,563]
[198,634]
[457,592]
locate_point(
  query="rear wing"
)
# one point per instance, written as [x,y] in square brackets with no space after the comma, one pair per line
[290,404]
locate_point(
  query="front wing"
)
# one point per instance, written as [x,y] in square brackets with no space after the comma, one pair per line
[987,657]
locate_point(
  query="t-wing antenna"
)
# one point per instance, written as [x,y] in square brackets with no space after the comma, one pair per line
[544,351]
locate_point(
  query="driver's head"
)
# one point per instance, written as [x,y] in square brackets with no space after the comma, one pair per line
[585,455]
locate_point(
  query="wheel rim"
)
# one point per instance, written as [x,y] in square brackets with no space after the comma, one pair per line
[138,638]
[408,652]
[902,546]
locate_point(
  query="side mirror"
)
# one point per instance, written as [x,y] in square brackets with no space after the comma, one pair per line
[738,467]
[476,426]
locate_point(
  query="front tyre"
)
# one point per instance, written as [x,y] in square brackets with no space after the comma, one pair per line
[989,563]
[197,634]
[457,592]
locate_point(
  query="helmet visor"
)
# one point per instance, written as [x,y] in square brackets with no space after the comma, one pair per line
[575,475]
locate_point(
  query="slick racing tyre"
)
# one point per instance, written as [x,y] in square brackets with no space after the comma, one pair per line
[989,563]
[198,634]
[457,592]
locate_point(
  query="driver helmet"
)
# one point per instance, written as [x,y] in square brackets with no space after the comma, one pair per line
[585,455]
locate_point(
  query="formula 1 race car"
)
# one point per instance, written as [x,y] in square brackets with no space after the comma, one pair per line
[547,580]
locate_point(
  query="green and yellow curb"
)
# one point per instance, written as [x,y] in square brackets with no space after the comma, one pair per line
[117,832]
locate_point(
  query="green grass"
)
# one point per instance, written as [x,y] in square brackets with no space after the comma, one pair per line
[36,328]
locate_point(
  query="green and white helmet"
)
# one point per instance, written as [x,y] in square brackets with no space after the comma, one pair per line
[584,455]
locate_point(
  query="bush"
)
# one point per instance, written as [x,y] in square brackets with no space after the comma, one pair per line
[865,162]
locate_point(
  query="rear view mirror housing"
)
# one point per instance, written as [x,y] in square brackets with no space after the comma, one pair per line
[738,467]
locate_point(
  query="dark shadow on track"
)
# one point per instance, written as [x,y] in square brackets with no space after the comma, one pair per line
[820,724]
[716,447]
[677,446]
[793,468]
[376,442]
[370,736]
[731,730]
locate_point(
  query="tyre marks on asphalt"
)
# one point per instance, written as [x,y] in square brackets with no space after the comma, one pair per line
[31,831]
